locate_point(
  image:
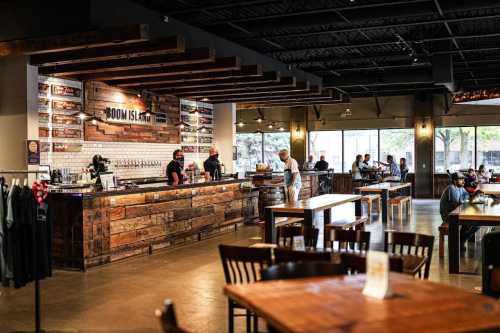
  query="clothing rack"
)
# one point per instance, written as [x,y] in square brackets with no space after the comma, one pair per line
[40,215]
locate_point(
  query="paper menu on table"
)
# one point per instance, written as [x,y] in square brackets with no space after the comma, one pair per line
[377,283]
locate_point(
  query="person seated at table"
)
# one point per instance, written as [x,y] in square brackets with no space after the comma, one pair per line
[321,165]
[453,196]
[309,164]
[471,180]
[483,176]
[356,168]
[394,173]
[403,168]
[366,162]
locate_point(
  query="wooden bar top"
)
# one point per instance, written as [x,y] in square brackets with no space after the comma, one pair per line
[320,202]
[490,188]
[383,186]
[320,305]
[489,211]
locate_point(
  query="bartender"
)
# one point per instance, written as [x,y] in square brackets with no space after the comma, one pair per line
[175,167]
[98,165]
[212,165]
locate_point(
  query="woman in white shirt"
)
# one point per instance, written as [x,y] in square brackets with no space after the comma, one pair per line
[483,176]
[356,168]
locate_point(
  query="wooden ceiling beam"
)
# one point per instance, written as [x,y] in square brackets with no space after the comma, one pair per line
[286,96]
[167,45]
[300,87]
[287,82]
[82,40]
[219,65]
[192,56]
[266,77]
[247,71]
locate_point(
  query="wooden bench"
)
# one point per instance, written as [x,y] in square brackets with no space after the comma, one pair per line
[356,224]
[399,202]
[279,222]
[443,231]
[369,199]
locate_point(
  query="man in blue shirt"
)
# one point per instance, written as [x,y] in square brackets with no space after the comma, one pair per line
[453,196]
[394,172]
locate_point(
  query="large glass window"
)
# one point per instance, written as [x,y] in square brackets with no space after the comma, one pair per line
[329,144]
[488,147]
[359,142]
[249,151]
[273,143]
[454,149]
[398,143]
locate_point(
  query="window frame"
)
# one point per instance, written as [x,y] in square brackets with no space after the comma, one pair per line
[262,136]
[474,149]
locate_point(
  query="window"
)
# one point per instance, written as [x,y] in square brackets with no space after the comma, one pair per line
[328,143]
[488,147]
[359,142]
[398,143]
[454,149]
[249,151]
[273,143]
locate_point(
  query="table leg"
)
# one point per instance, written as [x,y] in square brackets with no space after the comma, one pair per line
[308,218]
[269,227]
[453,244]
[384,195]
[357,208]
[327,216]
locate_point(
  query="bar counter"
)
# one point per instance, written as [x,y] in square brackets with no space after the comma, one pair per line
[92,227]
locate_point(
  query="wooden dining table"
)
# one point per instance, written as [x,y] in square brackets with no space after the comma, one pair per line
[385,190]
[306,209]
[489,189]
[476,214]
[336,304]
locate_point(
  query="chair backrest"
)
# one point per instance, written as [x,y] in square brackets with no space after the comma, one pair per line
[407,243]
[404,176]
[356,264]
[287,255]
[168,319]
[285,235]
[298,270]
[491,264]
[348,240]
[243,264]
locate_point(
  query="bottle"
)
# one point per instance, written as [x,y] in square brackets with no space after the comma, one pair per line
[222,169]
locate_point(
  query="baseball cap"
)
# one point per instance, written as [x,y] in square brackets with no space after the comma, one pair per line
[457,175]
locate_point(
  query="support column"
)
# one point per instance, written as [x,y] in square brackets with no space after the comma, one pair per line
[298,134]
[424,146]
[225,133]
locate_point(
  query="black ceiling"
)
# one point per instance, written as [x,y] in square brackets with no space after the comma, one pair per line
[361,47]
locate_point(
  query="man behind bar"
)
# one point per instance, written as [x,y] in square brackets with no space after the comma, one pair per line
[174,168]
[292,175]
[212,165]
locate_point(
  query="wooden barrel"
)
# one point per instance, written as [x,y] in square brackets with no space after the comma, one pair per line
[269,196]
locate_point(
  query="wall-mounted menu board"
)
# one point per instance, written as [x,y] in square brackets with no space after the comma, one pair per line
[198,137]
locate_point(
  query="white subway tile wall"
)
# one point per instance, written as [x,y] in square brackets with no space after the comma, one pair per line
[115,151]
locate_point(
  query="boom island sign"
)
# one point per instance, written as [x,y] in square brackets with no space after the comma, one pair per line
[126,116]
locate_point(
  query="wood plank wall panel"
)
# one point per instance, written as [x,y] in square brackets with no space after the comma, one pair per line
[112,228]
[98,96]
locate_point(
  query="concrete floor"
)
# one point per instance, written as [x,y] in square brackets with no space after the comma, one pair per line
[122,297]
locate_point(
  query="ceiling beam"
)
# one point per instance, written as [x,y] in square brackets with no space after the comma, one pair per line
[76,41]
[236,82]
[168,45]
[191,56]
[326,101]
[297,96]
[219,65]
[247,71]
[283,82]
[376,79]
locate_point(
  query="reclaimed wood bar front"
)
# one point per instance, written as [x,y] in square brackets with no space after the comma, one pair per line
[95,228]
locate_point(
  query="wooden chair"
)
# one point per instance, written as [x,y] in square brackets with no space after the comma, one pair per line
[443,231]
[348,240]
[411,244]
[299,270]
[285,235]
[286,255]
[168,319]
[399,202]
[243,265]
[491,264]
[356,264]
[280,222]
[369,199]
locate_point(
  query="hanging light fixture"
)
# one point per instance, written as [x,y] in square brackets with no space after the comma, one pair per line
[298,132]
[240,124]
[181,125]
[94,120]
[270,126]
[259,119]
[281,129]
[82,115]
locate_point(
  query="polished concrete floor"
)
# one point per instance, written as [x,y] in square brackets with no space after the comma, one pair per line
[122,297]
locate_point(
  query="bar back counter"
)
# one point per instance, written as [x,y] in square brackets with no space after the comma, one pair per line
[92,228]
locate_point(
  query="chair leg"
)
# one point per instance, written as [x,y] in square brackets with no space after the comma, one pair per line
[231,318]
[255,323]
[248,321]
[391,213]
[441,243]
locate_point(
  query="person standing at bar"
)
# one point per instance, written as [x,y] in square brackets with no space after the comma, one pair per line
[212,165]
[321,165]
[175,167]
[293,181]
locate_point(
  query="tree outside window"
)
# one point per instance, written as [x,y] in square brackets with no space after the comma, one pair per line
[398,143]
[329,144]
[249,151]
[454,149]
[273,143]
[488,147]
